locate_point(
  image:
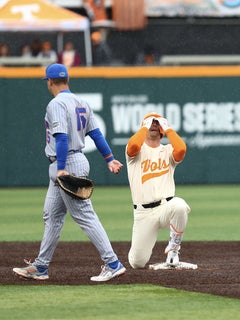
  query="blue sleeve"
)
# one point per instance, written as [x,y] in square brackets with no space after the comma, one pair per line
[61,149]
[101,144]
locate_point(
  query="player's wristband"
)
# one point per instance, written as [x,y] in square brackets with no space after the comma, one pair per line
[109,157]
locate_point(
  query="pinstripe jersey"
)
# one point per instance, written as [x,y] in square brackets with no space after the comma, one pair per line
[66,113]
[151,174]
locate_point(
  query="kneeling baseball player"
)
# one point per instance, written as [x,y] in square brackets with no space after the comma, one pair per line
[151,166]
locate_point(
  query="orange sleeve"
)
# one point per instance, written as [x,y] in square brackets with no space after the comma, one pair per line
[179,146]
[136,141]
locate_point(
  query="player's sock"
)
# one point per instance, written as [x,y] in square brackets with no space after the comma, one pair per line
[113,265]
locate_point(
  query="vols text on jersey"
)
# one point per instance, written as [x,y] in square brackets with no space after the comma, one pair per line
[152,169]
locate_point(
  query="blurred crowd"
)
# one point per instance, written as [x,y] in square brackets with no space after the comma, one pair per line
[70,54]
[71,57]
[44,49]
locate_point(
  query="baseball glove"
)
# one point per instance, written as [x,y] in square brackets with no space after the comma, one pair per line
[76,187]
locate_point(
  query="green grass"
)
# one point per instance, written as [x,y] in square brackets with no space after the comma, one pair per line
[214,214]
[109,302]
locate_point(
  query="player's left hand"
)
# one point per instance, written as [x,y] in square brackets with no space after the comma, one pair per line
[164,124]
[115,166]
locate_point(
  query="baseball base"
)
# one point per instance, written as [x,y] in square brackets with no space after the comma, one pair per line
[180,266]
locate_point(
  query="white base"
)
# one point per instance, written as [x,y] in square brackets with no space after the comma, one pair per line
[180,266]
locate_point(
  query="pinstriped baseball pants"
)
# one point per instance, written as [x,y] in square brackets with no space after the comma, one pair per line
[58,203]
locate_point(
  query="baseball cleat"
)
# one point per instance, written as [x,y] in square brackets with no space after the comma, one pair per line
[173,258]
[108,273]
[32,272]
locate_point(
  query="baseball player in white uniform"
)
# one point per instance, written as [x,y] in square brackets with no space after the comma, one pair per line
[151,168]
[68,120]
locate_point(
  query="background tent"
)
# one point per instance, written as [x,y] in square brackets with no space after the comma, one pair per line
[41,15]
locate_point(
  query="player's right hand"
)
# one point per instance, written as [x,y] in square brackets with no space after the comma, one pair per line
[147,122]
[62,173]
[115,166]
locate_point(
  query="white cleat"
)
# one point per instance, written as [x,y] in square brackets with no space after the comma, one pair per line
[173,258]
[108,273]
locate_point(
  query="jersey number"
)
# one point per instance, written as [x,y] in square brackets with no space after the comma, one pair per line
[81,120]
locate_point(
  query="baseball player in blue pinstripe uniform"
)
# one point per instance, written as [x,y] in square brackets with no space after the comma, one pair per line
[68,120]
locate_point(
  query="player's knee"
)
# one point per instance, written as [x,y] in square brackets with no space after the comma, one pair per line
[180,206]
[136,262]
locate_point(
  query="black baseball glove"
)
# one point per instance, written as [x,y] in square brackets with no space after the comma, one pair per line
[76,187]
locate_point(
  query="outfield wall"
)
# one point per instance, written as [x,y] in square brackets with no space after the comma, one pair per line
[201,103]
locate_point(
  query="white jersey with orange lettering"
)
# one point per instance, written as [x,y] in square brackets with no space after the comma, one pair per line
[151,179]
[151,174]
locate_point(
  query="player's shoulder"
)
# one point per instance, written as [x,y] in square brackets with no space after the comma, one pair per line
[77,97]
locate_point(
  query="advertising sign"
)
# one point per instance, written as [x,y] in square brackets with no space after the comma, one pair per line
[203,109]
[208,8]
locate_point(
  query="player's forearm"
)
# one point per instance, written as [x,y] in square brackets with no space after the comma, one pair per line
[101,144]
[61,150]
[136,141]
[179,146]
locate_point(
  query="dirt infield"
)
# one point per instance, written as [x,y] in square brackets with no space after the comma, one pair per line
[74,263]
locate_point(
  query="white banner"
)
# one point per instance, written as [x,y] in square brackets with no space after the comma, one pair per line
[200,8]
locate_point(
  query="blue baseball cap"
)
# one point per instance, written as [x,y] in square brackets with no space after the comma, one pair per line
[56,71]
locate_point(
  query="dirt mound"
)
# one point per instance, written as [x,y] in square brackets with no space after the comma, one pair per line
[74,263]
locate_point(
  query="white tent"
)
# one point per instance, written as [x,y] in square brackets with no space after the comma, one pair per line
[41,15]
